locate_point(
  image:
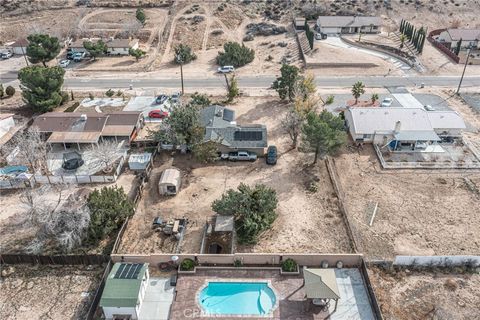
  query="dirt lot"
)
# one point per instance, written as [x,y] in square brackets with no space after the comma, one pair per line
[425,295]
[48,292]
[311,219]
[417,211]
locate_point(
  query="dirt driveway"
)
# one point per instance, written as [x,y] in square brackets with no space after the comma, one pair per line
[307,222]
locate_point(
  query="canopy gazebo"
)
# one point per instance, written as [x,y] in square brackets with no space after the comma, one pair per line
[321,286]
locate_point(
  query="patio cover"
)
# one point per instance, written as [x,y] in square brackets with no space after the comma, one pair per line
[74,137]
[416,136]
[321,284]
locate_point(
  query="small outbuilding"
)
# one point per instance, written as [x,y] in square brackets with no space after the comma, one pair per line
[139,162]
[170,182]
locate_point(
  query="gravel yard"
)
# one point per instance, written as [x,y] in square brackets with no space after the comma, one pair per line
[47,292]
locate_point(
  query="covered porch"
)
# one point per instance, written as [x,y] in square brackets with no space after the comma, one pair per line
[411,141]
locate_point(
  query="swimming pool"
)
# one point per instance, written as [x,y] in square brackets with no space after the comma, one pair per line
[237,298]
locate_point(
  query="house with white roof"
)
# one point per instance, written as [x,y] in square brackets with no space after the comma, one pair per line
[348,24]
[400,128]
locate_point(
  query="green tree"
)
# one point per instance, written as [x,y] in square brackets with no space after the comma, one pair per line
[95,49]
[285,84]
[330,99]
[374,98]
[235,55]
[402,40]
[206,152]
[357,90]
[253,208]
[137,53]
[140,15]
[41,87]
[459,46]
[109,208]
[232,90]
[322,134]
[181,127]
[2,92]
[42,48]
[201,100]
[184,54]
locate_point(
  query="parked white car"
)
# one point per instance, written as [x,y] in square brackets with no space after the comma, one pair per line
[6,55]
[387,102]
[226,69]
[64,63]
[428,108]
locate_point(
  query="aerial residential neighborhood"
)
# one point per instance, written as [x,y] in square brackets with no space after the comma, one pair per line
[271,159]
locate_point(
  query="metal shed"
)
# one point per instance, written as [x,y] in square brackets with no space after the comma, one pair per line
[170,182]
[139,161]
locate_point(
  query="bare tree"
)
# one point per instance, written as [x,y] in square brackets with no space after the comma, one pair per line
[292,125]
[105,154]
[28,148]
[58,218]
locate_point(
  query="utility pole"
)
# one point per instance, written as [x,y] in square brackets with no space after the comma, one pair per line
[464,68]
[180,61]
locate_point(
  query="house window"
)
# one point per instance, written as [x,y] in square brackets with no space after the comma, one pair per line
[367,136]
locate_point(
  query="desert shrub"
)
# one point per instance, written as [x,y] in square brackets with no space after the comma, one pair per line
[65,97]
[235,54]
[237,263]
[72,107]
[187,265]
[289,265]
[10,91]
[109,93]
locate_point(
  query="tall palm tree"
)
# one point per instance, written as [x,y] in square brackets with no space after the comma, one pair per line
[357,90]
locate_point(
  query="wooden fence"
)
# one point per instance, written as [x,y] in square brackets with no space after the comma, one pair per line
[98,294]
[440,46]
[86,259]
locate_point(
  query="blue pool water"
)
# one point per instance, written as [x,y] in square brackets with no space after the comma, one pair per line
[252,298]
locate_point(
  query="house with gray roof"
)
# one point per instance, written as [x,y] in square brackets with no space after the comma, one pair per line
[348,24]
[221,127]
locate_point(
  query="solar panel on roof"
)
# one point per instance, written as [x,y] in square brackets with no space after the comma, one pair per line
[247,136]
[228,115]
[137,271]
[119,271]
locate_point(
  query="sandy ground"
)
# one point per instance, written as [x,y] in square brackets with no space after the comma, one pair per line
[312,219]
[417,211]
[48,292]
[425,295]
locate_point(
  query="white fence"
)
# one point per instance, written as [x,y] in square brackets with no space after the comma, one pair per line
[437,261]
[70,179]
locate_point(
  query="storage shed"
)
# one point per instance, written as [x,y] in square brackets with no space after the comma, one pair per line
[139,162]
[170,182]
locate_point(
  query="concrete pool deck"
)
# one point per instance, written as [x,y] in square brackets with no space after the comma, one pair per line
[292,304]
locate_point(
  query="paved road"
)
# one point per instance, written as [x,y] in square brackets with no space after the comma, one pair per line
[260,82]
[266,81]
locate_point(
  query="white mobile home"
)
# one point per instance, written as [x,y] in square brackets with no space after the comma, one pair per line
[348,24]
[402,126]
